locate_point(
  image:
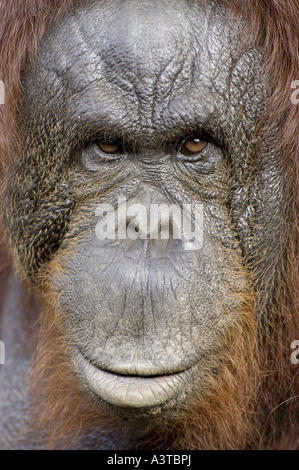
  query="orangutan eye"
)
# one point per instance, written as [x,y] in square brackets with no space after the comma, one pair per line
[110,147]
[192,148]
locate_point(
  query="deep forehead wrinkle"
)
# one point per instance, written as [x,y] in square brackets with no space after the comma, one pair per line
[150,68]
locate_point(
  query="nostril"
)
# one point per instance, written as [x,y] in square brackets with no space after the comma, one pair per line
[160,227]
[149,217]
[132,223]
[137,226]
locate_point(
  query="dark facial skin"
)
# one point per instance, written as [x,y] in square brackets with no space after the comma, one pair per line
[146,318]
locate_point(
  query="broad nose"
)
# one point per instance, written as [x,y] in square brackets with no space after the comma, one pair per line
[149,215]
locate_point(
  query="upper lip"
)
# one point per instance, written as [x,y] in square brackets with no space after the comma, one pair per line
[140,369]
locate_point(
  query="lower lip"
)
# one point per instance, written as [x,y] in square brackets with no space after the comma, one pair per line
[131,391]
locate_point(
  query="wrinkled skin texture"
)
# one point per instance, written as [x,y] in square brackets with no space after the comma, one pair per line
[150,314]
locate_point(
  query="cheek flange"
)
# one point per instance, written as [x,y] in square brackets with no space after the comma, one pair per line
[36,220]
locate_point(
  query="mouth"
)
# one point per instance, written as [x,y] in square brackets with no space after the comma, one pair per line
[130,391]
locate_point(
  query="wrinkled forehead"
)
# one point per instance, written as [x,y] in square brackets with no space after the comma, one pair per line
[147,39]
[146,61]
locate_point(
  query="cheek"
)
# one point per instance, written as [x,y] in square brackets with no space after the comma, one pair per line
[37,220]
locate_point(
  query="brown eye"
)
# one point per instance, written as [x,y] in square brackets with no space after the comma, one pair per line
[192,147]
[109,146]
